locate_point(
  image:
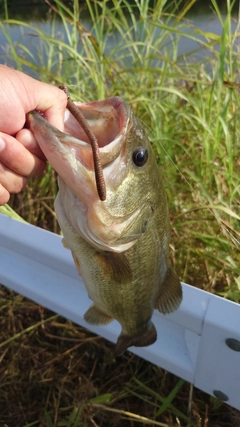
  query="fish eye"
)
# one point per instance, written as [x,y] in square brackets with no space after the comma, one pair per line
[140,156]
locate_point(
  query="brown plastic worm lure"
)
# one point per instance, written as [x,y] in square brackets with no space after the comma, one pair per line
[78,115]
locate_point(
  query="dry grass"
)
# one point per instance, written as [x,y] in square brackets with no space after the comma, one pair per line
[58,374]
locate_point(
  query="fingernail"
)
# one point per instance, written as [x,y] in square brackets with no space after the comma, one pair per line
[2,144]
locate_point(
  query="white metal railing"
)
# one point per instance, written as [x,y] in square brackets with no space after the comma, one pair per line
[200,342]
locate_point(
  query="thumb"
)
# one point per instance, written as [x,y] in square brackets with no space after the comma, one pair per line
[53,103]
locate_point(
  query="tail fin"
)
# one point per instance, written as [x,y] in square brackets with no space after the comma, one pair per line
[145,338]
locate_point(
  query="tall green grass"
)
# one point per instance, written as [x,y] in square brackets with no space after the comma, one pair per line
[190,113]
[189,106]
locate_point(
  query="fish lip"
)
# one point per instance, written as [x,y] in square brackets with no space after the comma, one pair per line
[108,120]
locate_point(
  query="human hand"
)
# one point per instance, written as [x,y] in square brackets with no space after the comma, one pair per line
[20,155]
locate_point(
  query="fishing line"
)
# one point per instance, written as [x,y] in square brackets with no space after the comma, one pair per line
[225,228]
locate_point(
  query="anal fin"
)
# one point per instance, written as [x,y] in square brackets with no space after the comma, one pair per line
[94,316]
[170,293]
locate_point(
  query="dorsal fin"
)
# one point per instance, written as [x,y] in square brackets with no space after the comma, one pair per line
[170,293]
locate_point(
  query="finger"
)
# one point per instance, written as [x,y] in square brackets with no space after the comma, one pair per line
[27,139]
[21,93]
[18,159]
[4,195]
[53,106]
[12,182]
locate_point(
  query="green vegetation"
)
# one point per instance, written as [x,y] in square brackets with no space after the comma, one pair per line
[189,105]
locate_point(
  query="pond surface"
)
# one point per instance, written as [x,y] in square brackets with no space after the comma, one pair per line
[38,14]
[38,10]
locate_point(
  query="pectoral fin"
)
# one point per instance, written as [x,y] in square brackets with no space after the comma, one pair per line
[170,294]
[144,338]
[115,267]
[94,316]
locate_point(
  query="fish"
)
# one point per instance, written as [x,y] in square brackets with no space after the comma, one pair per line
[120,245]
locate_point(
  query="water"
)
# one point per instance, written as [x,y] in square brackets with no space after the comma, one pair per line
[38,15]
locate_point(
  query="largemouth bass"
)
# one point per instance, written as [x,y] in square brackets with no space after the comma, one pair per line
[120,246]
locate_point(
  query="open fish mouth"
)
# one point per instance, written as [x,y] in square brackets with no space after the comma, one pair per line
[108,121]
